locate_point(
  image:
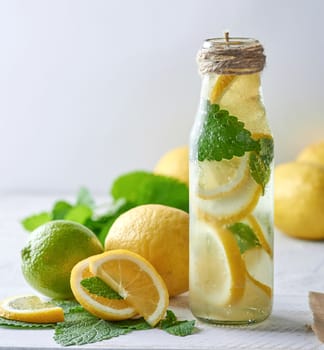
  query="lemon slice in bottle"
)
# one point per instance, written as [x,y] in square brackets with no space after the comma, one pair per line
[256,297]
[218,277]
[259,231]
[217,179]
[258,264]
[222,84]
[233,207]
[240,99]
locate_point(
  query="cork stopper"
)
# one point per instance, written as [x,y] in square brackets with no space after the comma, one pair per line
[234,56]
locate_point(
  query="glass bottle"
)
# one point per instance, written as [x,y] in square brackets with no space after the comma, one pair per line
[231,191]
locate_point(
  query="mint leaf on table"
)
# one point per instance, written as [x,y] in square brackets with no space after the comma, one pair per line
[96,285]
[20,324]
[68,306]
[141,187]
[231,136]
[171,325]
[83,328]
[169,320]
[32,222]
[181,328]
[137,324]
[260,162]
[245,236]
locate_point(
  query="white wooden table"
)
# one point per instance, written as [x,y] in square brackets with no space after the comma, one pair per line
[299,268]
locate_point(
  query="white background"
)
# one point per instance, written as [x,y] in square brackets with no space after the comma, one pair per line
[92,89]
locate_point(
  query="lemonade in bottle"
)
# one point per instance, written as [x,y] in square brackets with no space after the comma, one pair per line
[231,193]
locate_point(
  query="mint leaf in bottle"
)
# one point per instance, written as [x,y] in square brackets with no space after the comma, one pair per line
[260,162]
[245,236]
[232,138]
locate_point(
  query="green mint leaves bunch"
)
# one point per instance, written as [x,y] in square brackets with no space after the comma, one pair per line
[223,136]
[127,191]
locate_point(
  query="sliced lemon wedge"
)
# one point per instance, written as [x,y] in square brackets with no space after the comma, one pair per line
[135,279]
[231,208]
[107,309]
[218,179]
[30,308]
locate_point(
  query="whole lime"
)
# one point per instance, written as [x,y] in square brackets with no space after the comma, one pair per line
[52,251]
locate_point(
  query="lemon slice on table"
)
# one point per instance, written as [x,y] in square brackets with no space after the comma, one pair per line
[220,178]
[30,308]
[231,208]
[108,309]
[135,279]
[217,269]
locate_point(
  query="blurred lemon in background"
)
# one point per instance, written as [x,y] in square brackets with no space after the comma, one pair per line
[175,163]
[313,154]
[299,194]
[159,234]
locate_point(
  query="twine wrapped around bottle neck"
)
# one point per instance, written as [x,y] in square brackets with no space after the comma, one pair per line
[231,56]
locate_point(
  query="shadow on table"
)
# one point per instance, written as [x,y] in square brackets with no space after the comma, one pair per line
[284,324]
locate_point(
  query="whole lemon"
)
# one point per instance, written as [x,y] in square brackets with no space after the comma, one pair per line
[313,154]
[175,163]
[51,252]
[299,200]
[159,234]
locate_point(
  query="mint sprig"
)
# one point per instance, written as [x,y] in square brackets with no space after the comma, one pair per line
[223,136]
[79,212]
[96,285]
[128,191]
[141,187]
[245,236]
